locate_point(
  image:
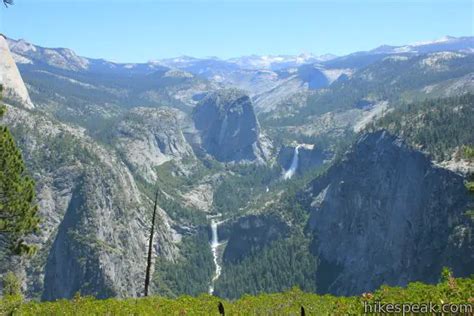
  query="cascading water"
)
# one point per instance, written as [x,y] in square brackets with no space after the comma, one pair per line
[294,165]
[214,249]
[223,130]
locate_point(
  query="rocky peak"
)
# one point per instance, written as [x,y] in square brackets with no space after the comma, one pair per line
[21,46]
[19,49]
[10,78]
[63,58]
[228,126]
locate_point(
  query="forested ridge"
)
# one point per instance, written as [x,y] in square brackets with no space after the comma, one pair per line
[440,127]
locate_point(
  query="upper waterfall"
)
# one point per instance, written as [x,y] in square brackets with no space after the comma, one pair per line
[294,165]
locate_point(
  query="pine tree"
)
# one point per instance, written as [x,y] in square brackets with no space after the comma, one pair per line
[18,213]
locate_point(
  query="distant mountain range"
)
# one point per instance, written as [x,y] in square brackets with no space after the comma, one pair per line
[447,43]
[265,78]
[68,59]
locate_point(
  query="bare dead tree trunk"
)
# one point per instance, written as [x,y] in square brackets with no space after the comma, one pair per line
[150,245]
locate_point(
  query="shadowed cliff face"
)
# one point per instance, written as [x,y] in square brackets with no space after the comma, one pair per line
[228,126]
[314,77]
[386,215]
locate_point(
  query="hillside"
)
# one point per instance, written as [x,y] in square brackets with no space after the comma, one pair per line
[319,230]
[440,127]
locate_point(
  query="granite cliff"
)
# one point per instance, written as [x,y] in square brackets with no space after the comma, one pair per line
[384,214]
[148,137]
[229,128]
[94,217]
[10,78]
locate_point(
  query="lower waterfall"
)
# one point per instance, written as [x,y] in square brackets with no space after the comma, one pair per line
[214,249]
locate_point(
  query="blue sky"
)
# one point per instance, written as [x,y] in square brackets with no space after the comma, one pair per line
[138,31]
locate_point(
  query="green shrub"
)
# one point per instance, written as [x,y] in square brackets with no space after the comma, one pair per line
[452,290]
[11,285]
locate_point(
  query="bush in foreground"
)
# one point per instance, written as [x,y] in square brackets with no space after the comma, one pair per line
[449,290]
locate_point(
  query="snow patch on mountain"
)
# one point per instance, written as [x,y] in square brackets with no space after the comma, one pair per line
[278,61]
[443,39]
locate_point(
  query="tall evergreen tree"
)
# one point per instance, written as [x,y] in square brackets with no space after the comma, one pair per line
[18,212]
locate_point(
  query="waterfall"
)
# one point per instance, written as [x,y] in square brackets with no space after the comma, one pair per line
[223,130]
[214,249]
[294,165]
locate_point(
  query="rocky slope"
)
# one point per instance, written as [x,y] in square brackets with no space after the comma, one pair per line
[147,138]
[92,93]
[93,217]
[386,215]
[63,58]
[229,128]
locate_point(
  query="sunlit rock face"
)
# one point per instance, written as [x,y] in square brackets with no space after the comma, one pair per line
[93,216]
[10,79]
[149,137]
